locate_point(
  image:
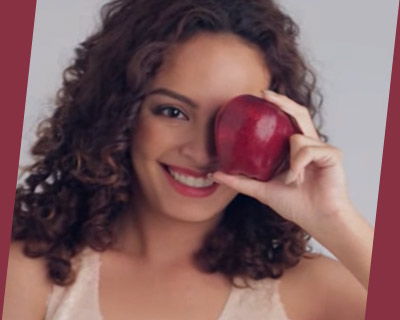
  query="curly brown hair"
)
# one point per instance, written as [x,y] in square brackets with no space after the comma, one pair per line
[82,179]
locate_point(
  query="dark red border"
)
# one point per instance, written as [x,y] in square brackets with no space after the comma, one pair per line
[16,27]
[384,287]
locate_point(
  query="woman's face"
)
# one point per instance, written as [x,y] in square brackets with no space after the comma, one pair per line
[173,148]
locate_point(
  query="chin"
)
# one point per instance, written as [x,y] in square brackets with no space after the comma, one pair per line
[192,215]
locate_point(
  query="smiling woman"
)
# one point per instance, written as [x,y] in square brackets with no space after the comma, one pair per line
[172,142]
[124,214]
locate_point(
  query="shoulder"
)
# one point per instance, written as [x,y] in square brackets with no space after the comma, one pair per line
[322,288]
[27,286]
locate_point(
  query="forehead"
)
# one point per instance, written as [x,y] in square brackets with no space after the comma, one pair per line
[217,66]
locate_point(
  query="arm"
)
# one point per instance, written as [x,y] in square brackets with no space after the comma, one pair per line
[321,288]
[349,237]
[313,194]
[27,287]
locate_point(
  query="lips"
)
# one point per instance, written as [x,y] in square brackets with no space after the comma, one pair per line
[187,176]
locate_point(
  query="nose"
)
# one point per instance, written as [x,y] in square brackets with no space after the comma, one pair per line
[199,148]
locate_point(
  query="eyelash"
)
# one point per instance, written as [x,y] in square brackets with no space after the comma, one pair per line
[163,111]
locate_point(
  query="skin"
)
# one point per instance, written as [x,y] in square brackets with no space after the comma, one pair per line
[158,240]
[316,179]
[185,141]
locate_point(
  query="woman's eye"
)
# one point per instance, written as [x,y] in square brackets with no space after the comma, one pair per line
[171,112]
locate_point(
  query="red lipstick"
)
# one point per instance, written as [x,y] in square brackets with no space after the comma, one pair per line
[185,190]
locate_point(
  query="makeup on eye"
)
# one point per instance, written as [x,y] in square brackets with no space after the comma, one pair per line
[169,111]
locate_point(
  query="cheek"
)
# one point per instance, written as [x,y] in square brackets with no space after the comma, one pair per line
[152,139]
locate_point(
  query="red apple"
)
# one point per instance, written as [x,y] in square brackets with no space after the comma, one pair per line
[252,137]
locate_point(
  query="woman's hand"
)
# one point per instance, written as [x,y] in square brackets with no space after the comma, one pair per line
[313,189]
[313,194]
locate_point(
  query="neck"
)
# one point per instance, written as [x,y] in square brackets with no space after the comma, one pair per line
[159,239]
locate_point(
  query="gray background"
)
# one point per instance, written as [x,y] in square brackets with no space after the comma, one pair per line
[349,43]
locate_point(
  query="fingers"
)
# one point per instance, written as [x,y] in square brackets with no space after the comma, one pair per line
[298,142]
[300,114]
[303,151]
[323,156]
[310,137]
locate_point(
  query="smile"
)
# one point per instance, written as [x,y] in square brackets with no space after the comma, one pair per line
[190,180]
[189,183]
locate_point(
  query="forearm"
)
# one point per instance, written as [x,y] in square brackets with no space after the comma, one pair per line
[350,238]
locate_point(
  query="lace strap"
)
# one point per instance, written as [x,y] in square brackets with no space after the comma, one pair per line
[80,299]
[261,301]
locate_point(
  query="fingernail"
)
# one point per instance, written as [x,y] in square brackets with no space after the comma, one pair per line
[290,177]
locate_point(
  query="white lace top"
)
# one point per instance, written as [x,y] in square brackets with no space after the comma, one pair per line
[80,301]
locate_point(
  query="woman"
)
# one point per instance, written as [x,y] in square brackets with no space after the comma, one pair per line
[124,214]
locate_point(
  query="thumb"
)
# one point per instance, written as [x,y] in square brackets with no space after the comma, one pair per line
[265,192]
[241,184]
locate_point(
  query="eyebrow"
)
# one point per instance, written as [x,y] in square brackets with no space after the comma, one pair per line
[174,95]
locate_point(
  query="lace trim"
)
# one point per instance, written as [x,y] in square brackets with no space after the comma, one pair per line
[80,301]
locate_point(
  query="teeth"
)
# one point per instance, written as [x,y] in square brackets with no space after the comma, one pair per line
[191,181]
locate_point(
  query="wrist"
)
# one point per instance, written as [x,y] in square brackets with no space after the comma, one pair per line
[323,224]
[338,224]
[350,238]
